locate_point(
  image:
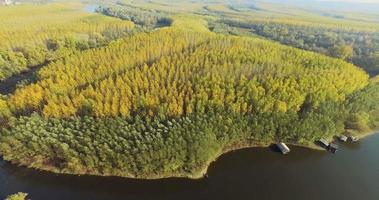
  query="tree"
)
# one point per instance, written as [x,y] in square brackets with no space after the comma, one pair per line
[342,51]
[18,196]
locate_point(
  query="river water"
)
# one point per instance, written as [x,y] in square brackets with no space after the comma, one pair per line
[255,173]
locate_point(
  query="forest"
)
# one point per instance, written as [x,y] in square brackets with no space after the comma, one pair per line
[145,18]
[33,35]
[361,48]
[153,93]
[354,39]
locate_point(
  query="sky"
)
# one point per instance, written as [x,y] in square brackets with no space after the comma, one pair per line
[330,1]
[353,1]
[361,6]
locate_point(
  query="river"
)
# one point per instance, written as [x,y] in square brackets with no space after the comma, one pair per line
[255,173]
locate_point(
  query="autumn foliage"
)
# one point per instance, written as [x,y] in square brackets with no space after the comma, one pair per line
[168,101]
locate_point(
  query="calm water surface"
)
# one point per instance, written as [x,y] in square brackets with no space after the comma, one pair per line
[256,173]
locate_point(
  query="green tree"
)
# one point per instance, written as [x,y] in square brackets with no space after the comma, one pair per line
[342,51]
[18,196]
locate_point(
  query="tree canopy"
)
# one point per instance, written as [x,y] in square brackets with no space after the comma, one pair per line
[167,101]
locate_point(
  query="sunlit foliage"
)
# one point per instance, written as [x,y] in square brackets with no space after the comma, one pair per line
[18,196]
[168,101]
[33,34]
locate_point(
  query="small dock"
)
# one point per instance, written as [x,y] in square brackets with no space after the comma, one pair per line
[342,138]
[332,147]
[323,143]
[283,148]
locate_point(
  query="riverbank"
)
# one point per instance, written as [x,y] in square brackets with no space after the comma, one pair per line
[362,135]
[238,171]
[203,172]
[199,174]
[312,146]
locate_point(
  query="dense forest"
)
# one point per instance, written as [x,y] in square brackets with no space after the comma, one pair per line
[166,101]
[145,18]
[361,48]
[33,35]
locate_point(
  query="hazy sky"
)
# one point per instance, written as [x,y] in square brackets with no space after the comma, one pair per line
[371,6]
[355,1]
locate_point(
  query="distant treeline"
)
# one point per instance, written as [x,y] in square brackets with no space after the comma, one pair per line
[146,18]
[358,47]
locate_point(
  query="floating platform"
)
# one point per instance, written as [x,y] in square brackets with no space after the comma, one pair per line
[283,148]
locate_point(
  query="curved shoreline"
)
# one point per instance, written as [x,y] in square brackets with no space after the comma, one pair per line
[203,172]
[194,176]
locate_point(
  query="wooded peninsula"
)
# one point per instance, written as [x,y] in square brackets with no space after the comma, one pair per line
[150,89]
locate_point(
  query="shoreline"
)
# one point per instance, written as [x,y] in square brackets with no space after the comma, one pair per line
[362,135]
[202,173]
